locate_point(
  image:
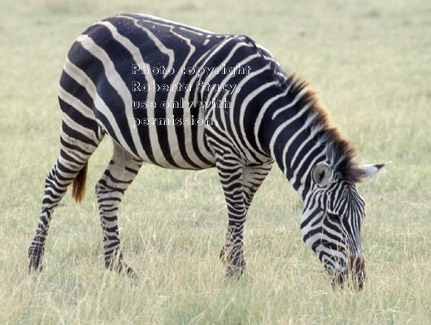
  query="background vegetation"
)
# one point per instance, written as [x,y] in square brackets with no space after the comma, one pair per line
[371,64]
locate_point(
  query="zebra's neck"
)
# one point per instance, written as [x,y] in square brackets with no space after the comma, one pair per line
[296,135]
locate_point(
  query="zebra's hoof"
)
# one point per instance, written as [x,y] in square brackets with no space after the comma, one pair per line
[122,268]
[133,276]
[35,265]
[35,256]
[130,273]
[236,272]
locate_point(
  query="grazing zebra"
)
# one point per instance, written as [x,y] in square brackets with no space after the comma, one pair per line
[181,97]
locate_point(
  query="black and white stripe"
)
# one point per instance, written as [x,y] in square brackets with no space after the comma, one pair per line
[250,112]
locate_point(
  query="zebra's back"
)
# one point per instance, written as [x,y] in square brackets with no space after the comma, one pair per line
[143,80]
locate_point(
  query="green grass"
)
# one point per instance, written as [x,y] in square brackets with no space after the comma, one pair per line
[371,64]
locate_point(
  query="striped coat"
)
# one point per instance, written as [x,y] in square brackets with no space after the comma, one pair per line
[185,98]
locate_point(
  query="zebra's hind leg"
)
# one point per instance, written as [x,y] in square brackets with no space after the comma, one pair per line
[71,166]
[119,174]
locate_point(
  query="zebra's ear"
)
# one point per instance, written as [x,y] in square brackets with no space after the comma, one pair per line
[321,174]
[368,171]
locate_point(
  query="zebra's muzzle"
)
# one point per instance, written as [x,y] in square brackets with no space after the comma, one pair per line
[353,275]
[357,271]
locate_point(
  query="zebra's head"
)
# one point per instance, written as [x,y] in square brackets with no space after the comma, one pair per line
[332,219]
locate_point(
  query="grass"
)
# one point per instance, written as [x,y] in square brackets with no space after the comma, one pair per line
[370,62]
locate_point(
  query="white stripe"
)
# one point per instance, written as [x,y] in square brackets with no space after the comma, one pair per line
[313,133]
[186,114]
[233,98]
[309,121]
[80,77]
[307,172]
[172,137]
[244,104]
[282,109]
[209,113]
[262,112]
[75,103]
[115,79]
[162,48]
[283,126]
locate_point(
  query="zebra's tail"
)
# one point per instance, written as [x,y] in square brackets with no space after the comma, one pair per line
[78,187]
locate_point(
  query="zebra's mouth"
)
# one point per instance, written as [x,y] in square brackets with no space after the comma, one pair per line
[352,276]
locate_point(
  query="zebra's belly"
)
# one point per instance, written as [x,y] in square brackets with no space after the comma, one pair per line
[167,144]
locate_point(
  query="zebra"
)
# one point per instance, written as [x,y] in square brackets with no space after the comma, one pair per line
[181,97]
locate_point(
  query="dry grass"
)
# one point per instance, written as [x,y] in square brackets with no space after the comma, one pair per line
[371,64]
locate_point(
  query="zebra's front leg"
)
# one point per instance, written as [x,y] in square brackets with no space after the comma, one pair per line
[230,172]
[110,189]
[232,254]
[240,183]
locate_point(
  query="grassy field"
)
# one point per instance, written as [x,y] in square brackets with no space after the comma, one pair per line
[371,64]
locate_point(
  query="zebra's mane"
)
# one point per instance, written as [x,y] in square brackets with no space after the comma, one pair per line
[340,153]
